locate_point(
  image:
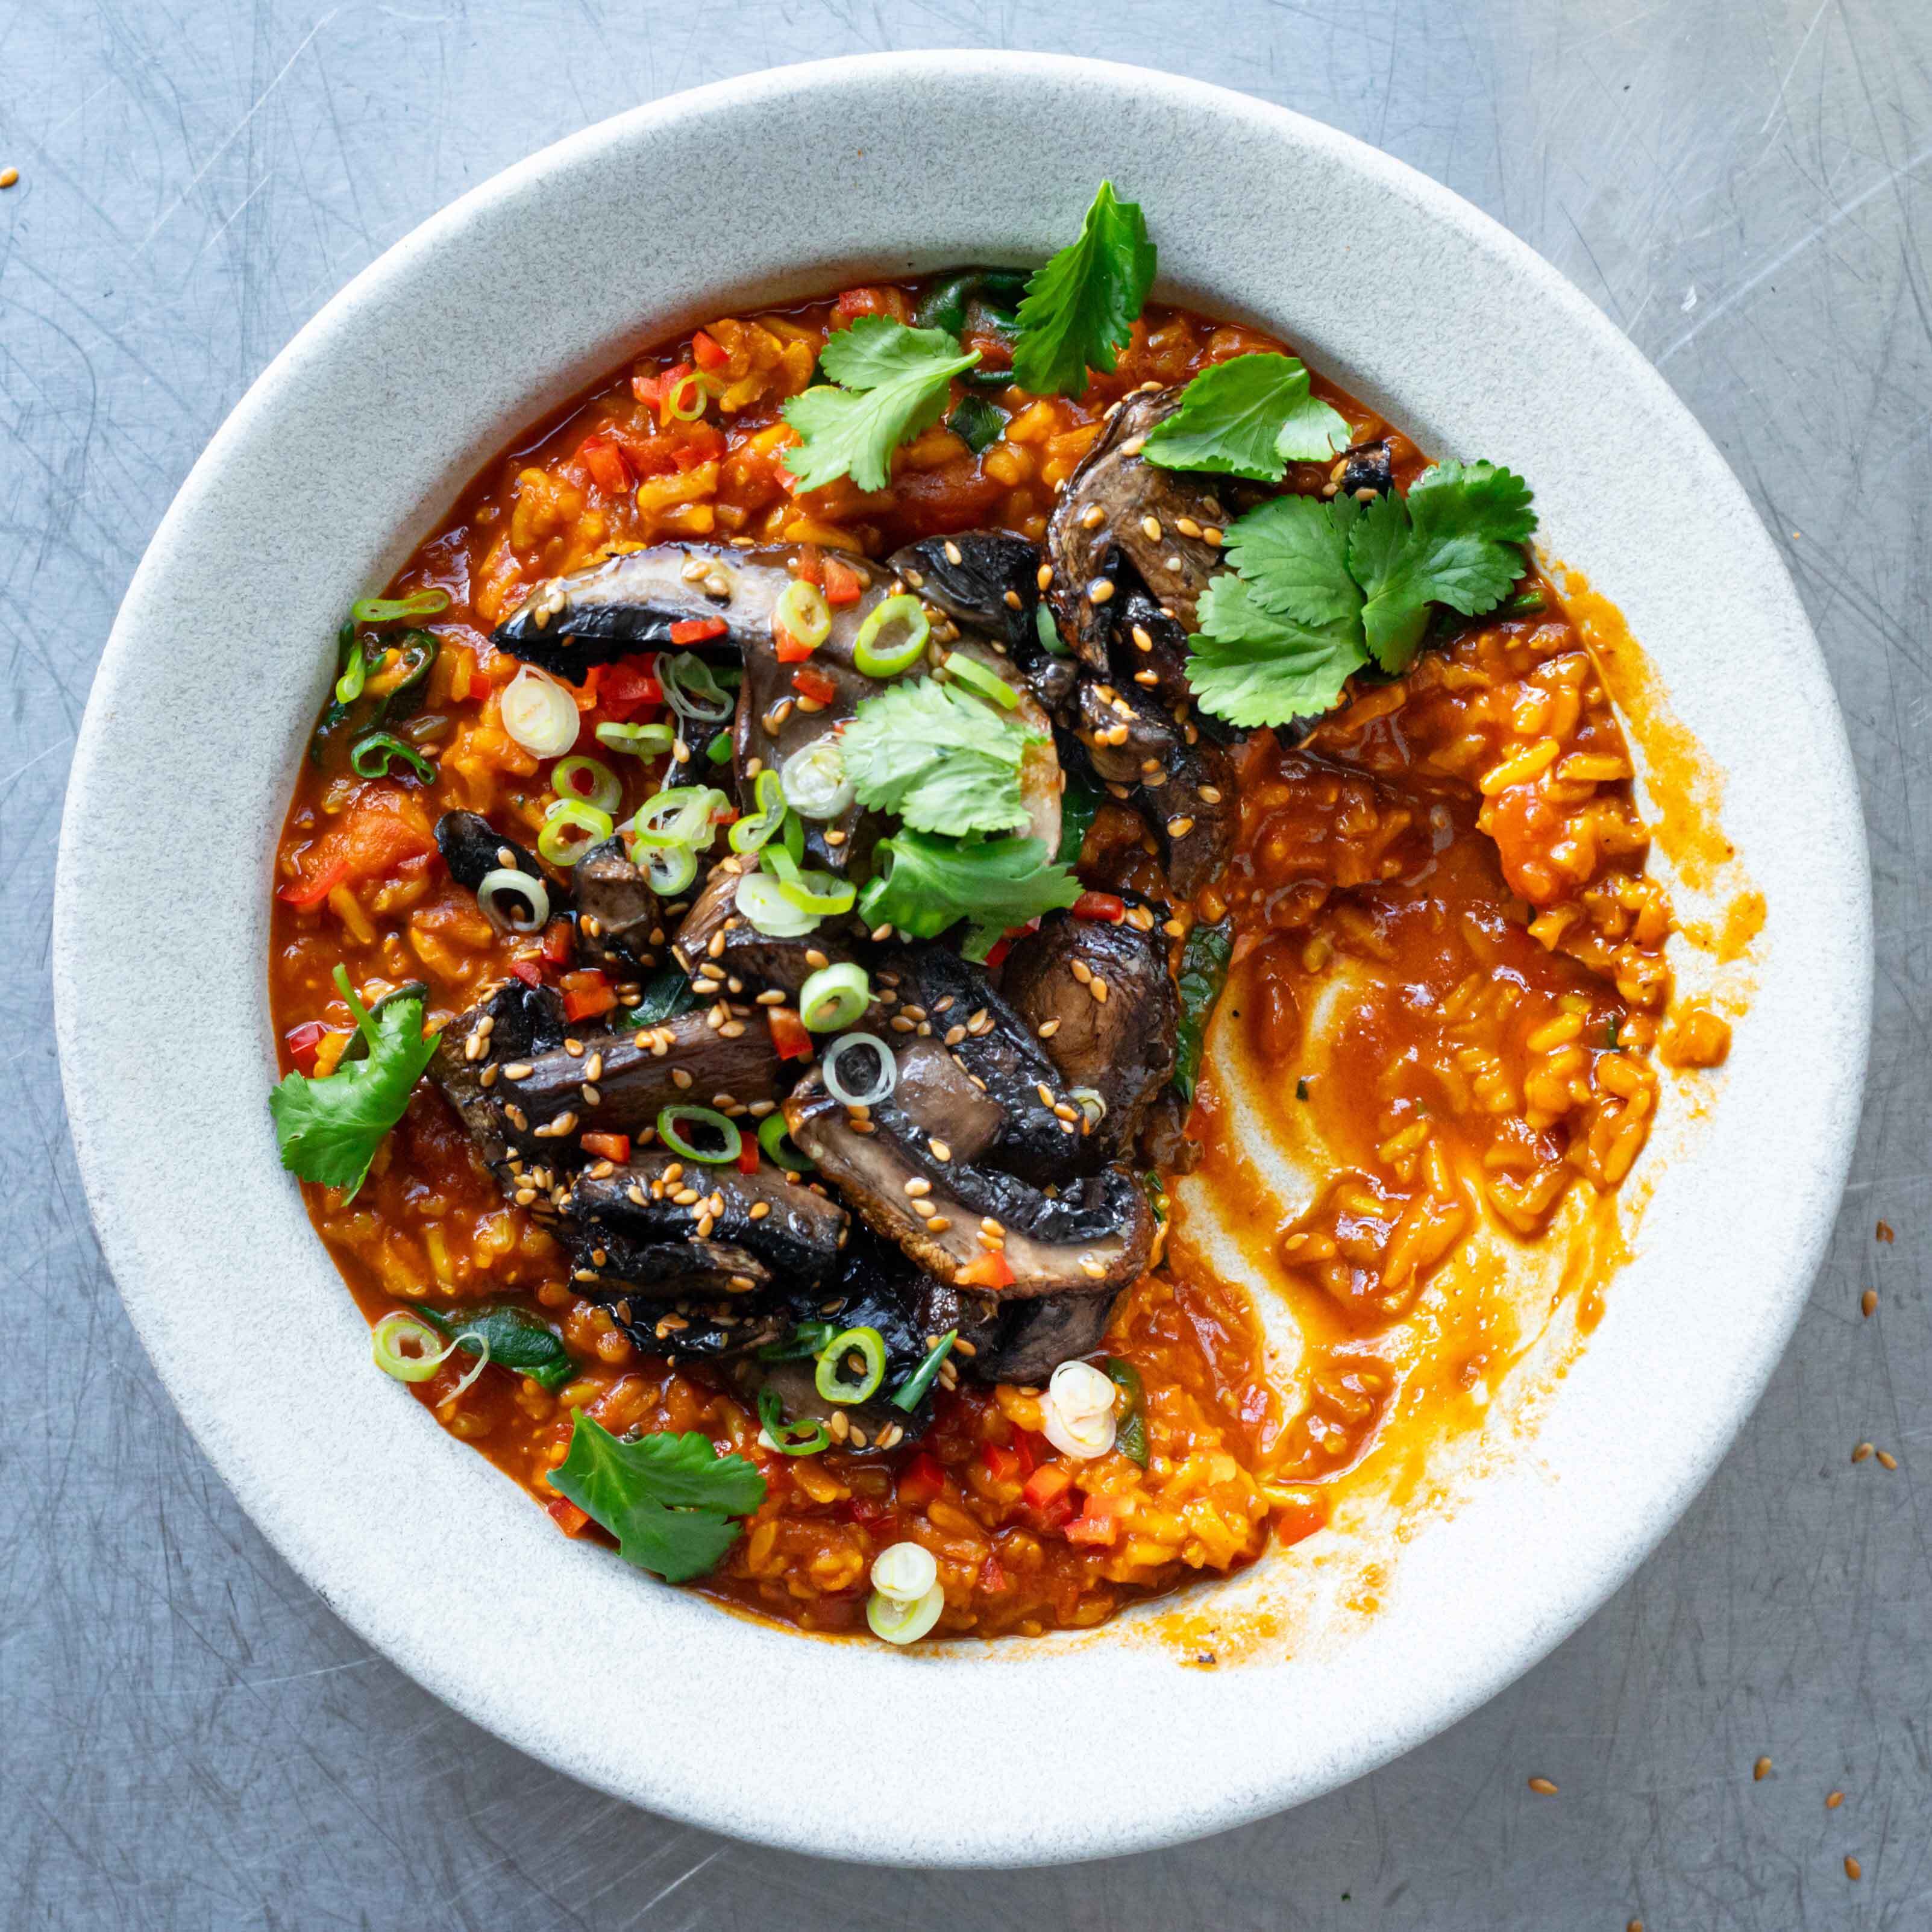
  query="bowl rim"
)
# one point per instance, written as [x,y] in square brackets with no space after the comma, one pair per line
[1630,1520]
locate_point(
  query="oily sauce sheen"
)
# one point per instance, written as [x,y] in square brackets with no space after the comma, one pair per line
[1459,848]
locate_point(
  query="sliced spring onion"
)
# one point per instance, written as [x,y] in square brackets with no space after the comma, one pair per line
[1091,1103]
[895,1622]
[354,674]
[779,1146]
[879,1084]
[691,691]
[498,892]
[375,752]
[806,1437]
[682,816]
[539,714]
[807,1339]
[816,783]
[1077,1411]
[802,614]
[869,1346]
[821,894]
[904,1572]
[407,1348]
[911,1392]
[971,672]
[670,869]
[876,659]
[685,400]
[718,751]
[834,997]
[570,828]
[762,899]
[1048,632]
[641,741]
[412,654]
[748,833]
[588,782]
[674,1138]
[393,610]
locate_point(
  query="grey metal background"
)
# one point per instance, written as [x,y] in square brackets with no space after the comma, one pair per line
[190,1739]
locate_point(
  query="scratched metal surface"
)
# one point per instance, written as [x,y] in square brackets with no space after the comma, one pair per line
[190,1738]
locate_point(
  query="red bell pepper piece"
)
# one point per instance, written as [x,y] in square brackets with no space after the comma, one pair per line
[302,1041]
[992,1578]
[696,630]
[841,583]
[1023,1448]
[812,683]
[303,893]
[1099,1522]
[1003,1464]
[586,994]
[706,353]
[568,1517]
[527,971]
[1047,1484]
[748,1154]
[1108,906]
[606,463]
[990,1270]
[606,1146]
[790,1039]
[559,942]
[788,649]
[921,1480]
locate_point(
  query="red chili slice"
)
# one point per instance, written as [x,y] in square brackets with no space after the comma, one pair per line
[1108,906]
[302,1041]
[696,630]
[813,684]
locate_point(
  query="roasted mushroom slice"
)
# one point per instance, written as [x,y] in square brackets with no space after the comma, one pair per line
[1368,470]
[659,1227]
[473,848]
[1128,738]
[1151,650]
[1035,1337]
[1198,815]
[1166,523]
[617,912]
[988,581]
[717,944]
[515,1023]
[1120,1049]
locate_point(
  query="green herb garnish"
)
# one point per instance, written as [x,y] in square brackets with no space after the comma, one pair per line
[328,1129]
[1249,416]
[669,1499]
[667,993]
[893,382]
[516,1339]
[1301,1090]
[1130,1429]
[1204,959]
[938,757]
[927,883]
[1080,804]
[1320,588]
[1080,307]
[977,423]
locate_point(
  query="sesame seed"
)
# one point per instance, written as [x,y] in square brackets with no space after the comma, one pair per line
[518,1069]
[1098,989]
[1211,794]
[1013,602]
[940,1151]
[952,552]
[741,1284]
[1853,1869]
[954,1035]
[592,1097]
[1092,518]
[472,1047]
[1868,1301]
[1863,1450]
[1151,528]
[8,176]
[1100,591]
[1760,1771]
[593,1067]
[1187,526]
[918,1185]
[686,1197]
[936,1224]
[1133,446]
[841,1424]
[1082,972]
[1180,827]
[680,1079]
[705,1222]
[1543,1787]
[1044,575]
[772,996]
[1886,1460]
[1089,1266]
[1833,1799]
[732,1030]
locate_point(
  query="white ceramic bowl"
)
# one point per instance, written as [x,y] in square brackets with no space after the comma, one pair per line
[356,438]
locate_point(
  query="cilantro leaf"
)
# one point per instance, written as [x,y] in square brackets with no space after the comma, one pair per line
[668,1499]
[1294,553]
[1254,666]
[939,759]
[926,884]
[893,382]
[328,1129]
[1249,416]
[1454,539]
[1080,307]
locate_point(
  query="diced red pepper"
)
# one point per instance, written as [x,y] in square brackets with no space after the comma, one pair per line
[559,941]
[586,994]
[1108,906]
[868,300]
[303,893]
[1023,1447]
[653,389]
[748,1154]
[696,630]
[628,686]
[1099,1522]
[790,1039]
[701,443]
[990,1270]
[1003,1464]
[814,684]
[569,1518]
[302,1041]
[921,1480]
[841,583]
[788,649]
[605,462]
[996,953]
[706,353]
[1047,1484]
[808,566]
[606,1146]
[527,971]
[991,1577]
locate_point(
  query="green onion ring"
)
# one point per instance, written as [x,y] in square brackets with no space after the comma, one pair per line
[682,816]
[762,899]
[778,1144]
[895,1622]
[803,615]
[641,741]
[669,869]
[391,610]
[372,755]
[687,384]
[832,997]
[806,1437]
[386,1341]
[691,691]
[816,783]
[884,1082]
[718,751]
[570,828]
[708,1116]
[605,792]
[971,672]
[748,833]
[893,659]
[818,893]
[871,1346]
[911,1392]
[807,1339]
[355,674]
[503,883]
[1049,631]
